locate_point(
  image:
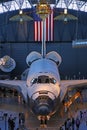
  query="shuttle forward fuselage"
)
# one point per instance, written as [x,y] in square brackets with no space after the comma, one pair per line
[43,87]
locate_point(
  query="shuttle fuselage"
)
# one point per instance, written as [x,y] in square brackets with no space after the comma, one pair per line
[43,87]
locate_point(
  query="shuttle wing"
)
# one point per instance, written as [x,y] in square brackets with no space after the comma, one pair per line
[19,85]
[66,86]
[72,85]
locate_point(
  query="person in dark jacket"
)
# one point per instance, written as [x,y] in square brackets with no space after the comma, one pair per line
[77,123]
[73,123]
[12,124]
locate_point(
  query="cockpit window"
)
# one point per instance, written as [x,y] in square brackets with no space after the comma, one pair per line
[33,81]
[43,79]
[52,80]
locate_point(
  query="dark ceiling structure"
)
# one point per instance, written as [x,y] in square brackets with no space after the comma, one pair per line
[33,1]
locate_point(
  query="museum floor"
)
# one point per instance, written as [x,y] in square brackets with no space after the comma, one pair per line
[13,105]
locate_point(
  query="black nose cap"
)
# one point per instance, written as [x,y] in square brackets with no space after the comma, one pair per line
[43,110]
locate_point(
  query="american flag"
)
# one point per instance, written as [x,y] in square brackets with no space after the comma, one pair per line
[49,24]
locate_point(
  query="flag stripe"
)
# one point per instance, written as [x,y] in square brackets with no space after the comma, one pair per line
[52,26]
[48,31]
[40,30]
[35,31]
[48,27]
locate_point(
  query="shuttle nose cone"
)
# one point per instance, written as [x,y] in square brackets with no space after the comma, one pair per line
[43,110]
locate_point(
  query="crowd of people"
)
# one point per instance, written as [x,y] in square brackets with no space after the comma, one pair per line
[74,123]
[13,121]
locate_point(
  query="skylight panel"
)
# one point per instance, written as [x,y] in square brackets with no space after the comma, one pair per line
[1,9]
[73,5]
[7,5]
[84,7]
[80,4]
[4,9]
[26,4]
[61,4]
[14,6]
[85,10]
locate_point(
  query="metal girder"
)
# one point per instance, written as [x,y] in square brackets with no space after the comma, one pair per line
[36,1]
[1,1]
[7,5]
[68,2]
[80,3]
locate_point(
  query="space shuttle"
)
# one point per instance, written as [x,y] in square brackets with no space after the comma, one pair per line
[43,83]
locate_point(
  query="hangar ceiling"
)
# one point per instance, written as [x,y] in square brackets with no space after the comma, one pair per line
[9,5]
[13,31]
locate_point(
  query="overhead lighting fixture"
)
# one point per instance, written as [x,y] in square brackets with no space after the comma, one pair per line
[20,11]
[65,11]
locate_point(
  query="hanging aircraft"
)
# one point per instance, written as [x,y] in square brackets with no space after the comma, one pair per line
[65,16]
[21,17]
